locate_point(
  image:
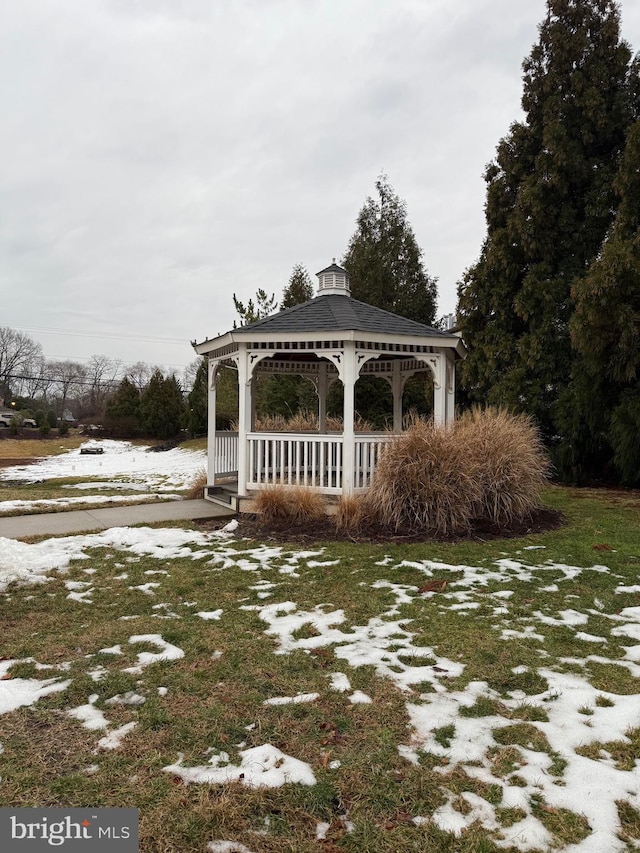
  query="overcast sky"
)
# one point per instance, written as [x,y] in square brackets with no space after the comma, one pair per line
[160,155]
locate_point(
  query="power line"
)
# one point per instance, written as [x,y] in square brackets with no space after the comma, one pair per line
[108,335]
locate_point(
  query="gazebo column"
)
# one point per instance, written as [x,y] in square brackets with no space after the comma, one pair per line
[212,372]
[322,388]
[396,388]
[244,417]
[440,391]
[349,377]
[451,390]
[254,396]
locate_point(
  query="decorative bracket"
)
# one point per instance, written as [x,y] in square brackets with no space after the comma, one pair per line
[253,359]
[363,356]
[432,361]
[336,357]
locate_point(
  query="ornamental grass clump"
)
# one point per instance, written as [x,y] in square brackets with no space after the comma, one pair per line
[422,482]
[508,459]
[489,466]
[299,504]
[197,486]
[272,503]
[352,514]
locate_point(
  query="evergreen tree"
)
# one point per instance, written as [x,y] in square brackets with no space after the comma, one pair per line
[252,311]
[162,406]
[299,289]
[288,394]
[605,327]
[197,402]
[384,260]
[385,269]
[122,412]
[549,204]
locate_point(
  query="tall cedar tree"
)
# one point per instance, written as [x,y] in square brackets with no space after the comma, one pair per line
[384,260]
[549,205]
[606,323]
[162,406]
[385,269]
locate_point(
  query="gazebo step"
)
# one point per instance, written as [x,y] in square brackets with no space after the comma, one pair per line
[222,495]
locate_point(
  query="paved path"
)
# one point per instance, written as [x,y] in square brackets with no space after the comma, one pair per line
[82,521]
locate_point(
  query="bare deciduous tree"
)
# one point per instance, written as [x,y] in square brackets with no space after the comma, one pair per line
[17,351]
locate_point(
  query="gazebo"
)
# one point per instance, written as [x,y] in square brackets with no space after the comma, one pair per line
[331,337]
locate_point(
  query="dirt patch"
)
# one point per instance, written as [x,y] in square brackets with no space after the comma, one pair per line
[324,530]
[9,463]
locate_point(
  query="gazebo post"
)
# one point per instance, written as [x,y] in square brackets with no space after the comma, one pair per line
[212,371]
[322,398]
[244,417]
[440,392]
[396,388]
[349,377]
[451,390]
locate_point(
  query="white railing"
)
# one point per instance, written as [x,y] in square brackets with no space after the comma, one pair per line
[366,455]
[226,454]
[310,460]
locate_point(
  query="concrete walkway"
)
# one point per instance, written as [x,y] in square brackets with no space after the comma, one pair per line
[88,520]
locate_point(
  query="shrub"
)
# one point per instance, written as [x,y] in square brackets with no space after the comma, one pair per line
[305,421]
[63,429]
[15,424]
[507,457]
[352,513]
[272,503]
[422,481]
[307,504]
[489,466]
[297,503]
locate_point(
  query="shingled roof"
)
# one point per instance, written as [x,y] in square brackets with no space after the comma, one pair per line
[339,313]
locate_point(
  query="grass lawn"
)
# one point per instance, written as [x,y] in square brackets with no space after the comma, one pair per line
[260,697]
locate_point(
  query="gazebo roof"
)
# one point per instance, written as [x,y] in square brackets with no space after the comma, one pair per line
[337,313]
[330,314]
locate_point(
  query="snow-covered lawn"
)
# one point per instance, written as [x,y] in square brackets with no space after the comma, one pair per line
[562,738]
[121,466]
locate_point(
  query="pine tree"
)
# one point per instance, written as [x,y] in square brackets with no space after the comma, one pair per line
[299,289]
[286,395]
[162,406]
[197,402]
[549,204]
[384,260]
[252,311]
[122,412]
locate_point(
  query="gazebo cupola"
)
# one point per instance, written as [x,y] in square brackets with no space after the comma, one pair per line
[333,280]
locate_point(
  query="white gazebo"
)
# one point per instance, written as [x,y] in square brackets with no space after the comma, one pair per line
[332,337]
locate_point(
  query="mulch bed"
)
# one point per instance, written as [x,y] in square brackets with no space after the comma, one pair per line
[251,526]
